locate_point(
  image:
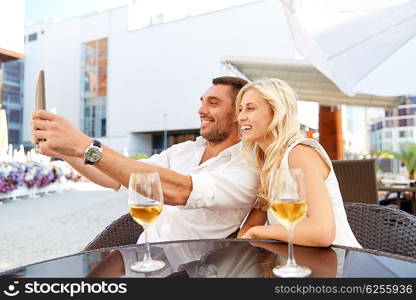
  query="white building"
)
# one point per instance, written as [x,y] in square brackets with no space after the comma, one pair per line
[156,70]
[126,84]
[392,131]
[11,70]
[355,127]
[12,25]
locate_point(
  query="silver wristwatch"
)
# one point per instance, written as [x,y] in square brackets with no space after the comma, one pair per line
[93,153]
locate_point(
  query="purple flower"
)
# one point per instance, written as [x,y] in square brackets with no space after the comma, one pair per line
[11,176]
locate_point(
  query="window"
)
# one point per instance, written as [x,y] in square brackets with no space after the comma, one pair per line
[387,134]
[405,122]
[14,136]
[103,126]
[405,133]
[13,71]
[14,116]
[94,88]
[32,37]
[402,111]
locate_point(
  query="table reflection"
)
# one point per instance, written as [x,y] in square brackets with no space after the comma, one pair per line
[220,258]
[324,262]
[225,259]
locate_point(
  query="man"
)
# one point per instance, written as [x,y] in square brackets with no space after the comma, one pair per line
[207,184]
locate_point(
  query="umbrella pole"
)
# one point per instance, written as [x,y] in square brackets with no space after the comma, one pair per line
[330,131]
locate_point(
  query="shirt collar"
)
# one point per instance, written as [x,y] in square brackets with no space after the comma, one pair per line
[232,150]
[200,141]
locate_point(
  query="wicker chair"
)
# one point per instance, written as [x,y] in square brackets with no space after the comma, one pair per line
[383,228]
[357,180]
[123,231]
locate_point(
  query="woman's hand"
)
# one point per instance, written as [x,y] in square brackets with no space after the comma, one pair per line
[256,218]
[250,234]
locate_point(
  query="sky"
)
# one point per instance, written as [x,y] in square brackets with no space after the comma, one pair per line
[42,10]
[37,10]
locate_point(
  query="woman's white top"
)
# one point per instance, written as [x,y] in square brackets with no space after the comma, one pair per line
[343,235]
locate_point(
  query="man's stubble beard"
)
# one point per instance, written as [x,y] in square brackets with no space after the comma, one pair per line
[221,132]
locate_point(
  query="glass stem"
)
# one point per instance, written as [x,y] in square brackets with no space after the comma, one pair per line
[147,256]
[290,259]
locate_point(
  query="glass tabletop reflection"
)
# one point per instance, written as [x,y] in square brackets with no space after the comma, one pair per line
[230,258]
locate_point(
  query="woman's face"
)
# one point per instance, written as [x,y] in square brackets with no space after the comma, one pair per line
[254,117]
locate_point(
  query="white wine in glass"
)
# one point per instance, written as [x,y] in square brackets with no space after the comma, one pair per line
[145,215]
[288,205]
[145,205]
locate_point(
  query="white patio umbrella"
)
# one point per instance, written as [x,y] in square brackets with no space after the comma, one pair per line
[4,141]
[363,46]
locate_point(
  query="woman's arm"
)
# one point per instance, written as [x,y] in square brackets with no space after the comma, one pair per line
[111,266]
[256,217]
[318,227]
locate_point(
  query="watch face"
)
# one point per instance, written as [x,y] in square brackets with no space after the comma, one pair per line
[93,154]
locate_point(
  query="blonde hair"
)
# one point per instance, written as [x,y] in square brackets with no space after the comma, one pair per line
[283,130]
[267,261]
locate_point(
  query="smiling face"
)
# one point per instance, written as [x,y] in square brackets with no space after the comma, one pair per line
[254,117]
[218,121]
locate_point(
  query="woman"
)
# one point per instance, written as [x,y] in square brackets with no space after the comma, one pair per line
[270,131]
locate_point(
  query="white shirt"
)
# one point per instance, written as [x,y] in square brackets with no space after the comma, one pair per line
[223,192]
[343,234]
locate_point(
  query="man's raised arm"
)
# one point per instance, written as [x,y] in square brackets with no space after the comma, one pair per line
[92,173]
[56,137]
[176,187]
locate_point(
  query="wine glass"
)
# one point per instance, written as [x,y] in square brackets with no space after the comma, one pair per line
[145,205]
[288,205]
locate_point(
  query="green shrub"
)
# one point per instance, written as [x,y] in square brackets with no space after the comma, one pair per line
[139,156]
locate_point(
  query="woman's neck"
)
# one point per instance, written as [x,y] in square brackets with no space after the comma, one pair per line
[264,144]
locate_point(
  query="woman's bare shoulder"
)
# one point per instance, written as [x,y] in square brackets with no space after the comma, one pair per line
[307,158]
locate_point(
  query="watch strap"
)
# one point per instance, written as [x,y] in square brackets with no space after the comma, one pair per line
[96,143]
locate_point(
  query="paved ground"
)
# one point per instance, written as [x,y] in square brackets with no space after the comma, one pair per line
[54,225]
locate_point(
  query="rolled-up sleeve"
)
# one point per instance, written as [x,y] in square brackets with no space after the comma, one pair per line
[223,189]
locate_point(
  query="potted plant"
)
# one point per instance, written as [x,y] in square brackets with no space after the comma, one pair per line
[408,157]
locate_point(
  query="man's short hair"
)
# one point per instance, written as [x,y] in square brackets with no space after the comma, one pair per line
[236,83]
